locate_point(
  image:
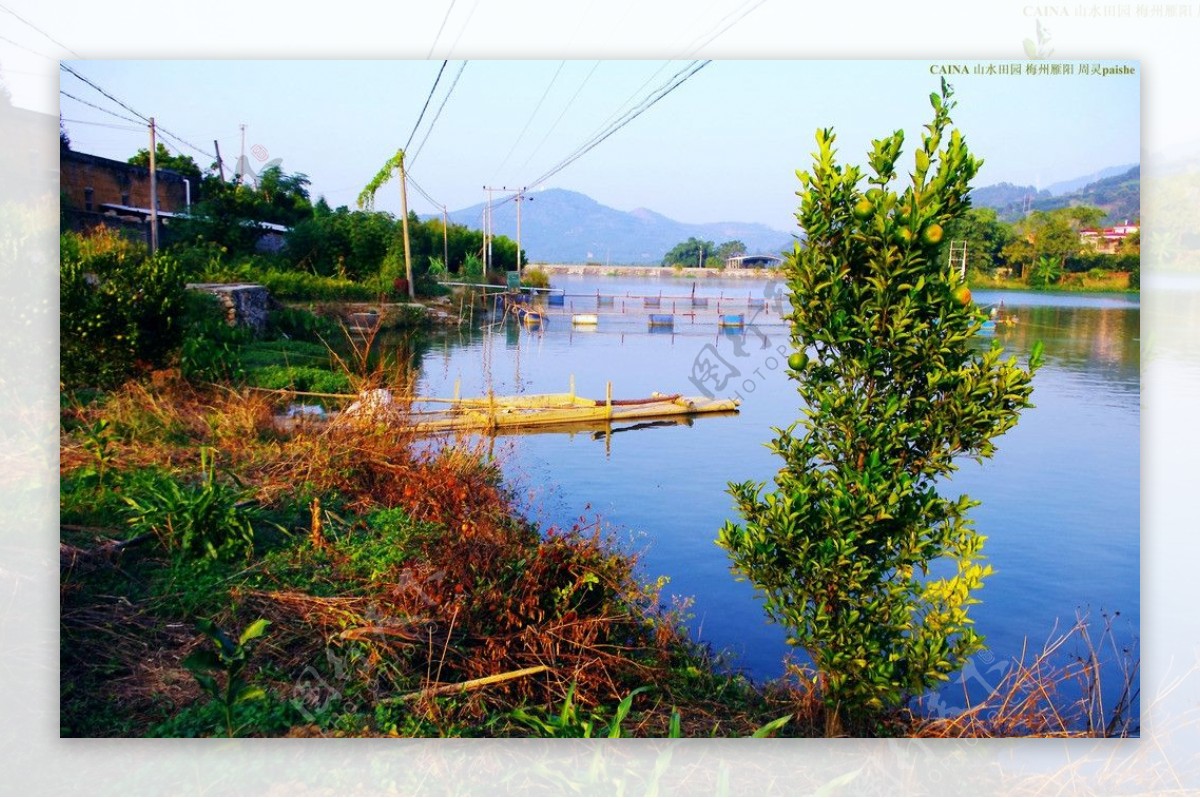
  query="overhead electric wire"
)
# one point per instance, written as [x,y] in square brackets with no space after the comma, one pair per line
[27,49]
[39,30]
[696,47]
[561,114]
[98,108]
[445,19]
[463,29]
[136,113]
[676,80]
[437,115]
[425,107]
[103,124]
[532,116]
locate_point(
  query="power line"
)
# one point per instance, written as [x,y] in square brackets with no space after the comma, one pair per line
[426,106]
[532,116]
[138,114]
[445,19]
[662,91]
[39,30]
[103,124]
[141,116]
[697,47]
[27,49]
[98,108]
[463,29]
[561,114]
[438,115]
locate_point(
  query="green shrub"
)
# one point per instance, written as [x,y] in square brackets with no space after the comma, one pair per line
[536,278]
[300,324]
[211,347]
[120,309]
[300,378]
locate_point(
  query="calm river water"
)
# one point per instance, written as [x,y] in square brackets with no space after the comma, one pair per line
[1060,500]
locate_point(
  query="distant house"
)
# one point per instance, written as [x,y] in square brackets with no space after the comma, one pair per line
[754,262]
[1108,238]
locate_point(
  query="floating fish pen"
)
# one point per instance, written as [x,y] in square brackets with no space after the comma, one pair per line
[731,321]
[652,302]
[661,320]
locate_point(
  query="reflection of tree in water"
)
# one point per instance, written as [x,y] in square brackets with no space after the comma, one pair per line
[1080,339]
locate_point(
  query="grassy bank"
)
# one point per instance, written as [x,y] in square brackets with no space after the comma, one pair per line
[1082,282]
[401,592]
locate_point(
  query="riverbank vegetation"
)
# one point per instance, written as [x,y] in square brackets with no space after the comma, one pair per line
[1058,250]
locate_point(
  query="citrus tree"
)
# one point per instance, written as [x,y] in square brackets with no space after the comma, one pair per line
[870,569]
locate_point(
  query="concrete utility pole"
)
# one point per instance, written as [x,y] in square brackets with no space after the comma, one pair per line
[153,192]
[520,198]
[488,233]
[412,289]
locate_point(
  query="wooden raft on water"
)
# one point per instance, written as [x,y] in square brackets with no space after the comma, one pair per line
[526,411]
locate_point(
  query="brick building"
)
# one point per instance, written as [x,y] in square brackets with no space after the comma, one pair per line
[89,182]
[99,190]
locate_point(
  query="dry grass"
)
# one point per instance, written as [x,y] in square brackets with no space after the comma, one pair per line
[1029,700]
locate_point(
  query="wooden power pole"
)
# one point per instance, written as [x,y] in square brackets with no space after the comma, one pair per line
[412,289]
[445,239]
[153,192]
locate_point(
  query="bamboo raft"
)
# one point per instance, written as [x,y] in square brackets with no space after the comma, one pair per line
[549,411]
[562,410]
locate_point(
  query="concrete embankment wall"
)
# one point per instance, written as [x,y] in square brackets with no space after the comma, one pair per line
[665,272]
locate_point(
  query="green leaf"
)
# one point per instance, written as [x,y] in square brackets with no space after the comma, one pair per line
[769,729]
[253,631]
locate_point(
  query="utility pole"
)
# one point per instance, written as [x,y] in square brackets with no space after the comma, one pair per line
[488,233]
[520,198]
[242,158]
[412,290]
[445,239]
[220,163]
[153,192]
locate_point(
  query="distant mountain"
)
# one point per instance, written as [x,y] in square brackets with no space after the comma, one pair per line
[1068,186]
[560,226]
[1118,193]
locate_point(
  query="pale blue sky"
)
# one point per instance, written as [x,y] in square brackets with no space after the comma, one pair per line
[723,146]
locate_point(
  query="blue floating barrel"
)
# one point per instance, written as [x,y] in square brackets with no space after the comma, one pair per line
[556,299]
[736,320]
[521,299]
[699,301]
[662,320]
[652,302]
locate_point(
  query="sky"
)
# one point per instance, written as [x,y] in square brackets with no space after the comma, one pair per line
[723,145]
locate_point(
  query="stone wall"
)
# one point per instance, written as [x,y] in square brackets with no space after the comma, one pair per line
[245,304]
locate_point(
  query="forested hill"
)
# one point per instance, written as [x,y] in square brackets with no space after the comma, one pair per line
[1118,194]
